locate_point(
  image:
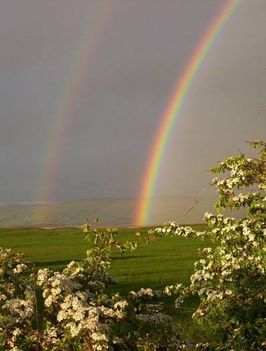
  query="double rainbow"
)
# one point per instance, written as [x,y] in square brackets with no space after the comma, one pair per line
[173,110]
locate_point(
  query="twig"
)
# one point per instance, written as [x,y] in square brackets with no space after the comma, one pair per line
[196,201]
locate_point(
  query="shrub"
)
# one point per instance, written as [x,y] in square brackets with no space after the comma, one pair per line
[230,278]
[75,310]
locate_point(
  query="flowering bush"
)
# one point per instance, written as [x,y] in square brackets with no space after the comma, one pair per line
[17,296]
[75,310]
[230,278]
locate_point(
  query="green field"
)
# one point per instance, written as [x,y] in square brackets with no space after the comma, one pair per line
[167,261]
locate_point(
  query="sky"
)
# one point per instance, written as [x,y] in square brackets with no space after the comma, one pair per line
[114,64]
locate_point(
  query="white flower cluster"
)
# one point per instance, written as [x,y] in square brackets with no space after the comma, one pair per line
[20,309]
[173,289]
[54,285]
[173,229]
[148,293]
[19,268]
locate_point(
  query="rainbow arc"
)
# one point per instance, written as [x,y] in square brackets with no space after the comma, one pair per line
[174,107]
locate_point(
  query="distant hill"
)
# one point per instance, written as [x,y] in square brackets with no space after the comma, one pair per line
[113,212]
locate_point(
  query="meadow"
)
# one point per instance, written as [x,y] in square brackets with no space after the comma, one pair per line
[166,261]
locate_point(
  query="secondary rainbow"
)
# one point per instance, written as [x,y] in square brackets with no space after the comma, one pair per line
[78,71]
[174,107]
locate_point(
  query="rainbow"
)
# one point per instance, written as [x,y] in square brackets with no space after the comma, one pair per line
[63,117]
[174,107]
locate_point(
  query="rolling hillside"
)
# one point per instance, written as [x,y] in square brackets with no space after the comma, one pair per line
[114,212]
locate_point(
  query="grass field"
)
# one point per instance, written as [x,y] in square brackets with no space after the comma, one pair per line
[155,265]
